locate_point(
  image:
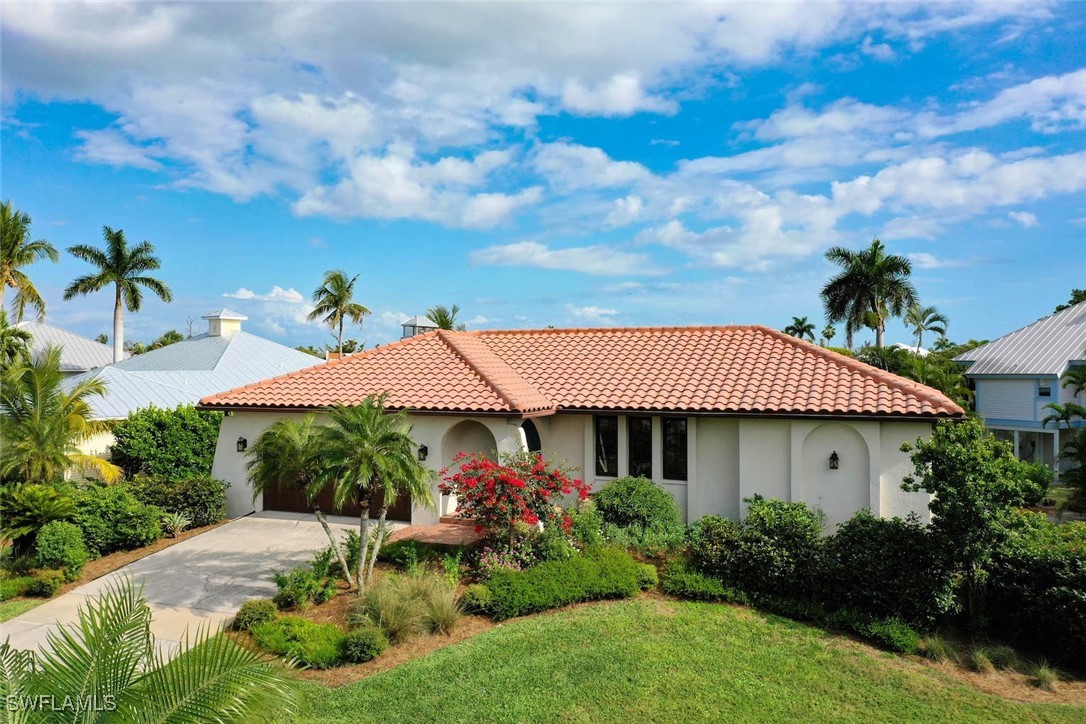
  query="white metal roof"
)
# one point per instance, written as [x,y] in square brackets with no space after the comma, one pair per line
[225,313]
[419,321]
[1045,347]
[78,353]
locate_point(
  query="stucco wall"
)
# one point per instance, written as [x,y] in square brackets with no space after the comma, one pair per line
[718,468]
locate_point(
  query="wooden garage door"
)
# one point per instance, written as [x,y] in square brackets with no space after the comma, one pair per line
[291,499]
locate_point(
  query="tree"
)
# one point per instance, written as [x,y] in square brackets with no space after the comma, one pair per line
[976,482]
[1075,378]
[102,338]
[289,453]
[1074,478]
[890,359]
[126,269]
[925,319]
[168,338]
[333,303]
[1078,296]
[445,317]
[941,373]
[109,660]
[1062,414]
[370,458]
[871,287]
[17,251]
[310,349]
[42,424]
[14,342]
[828,334]
[172,443]
[800,328]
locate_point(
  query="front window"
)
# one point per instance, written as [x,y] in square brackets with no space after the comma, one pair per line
[675,448]
[1044,390]
[607,445]
[639,436]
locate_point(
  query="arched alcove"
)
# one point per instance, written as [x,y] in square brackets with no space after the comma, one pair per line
[842,491]
[466,436]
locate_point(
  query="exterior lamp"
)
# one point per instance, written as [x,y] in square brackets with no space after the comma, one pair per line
[242,444]
[835,461]
[423,450]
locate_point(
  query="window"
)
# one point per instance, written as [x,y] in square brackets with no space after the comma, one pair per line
[639,436]
[1044,390]
[675,448]
[531,436]
[607,445]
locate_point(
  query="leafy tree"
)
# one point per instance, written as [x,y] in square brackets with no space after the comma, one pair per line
[14,342]
[949,349]
[334,303]
[126,269]
[16,252]
[110,656]
[173,443]
[168,338]
[871,287]
[801,328]
[102,338]
[42,423]
[1078,296]
[976,482]
[925,319]
[941,373]
[445,317]
[1062,414]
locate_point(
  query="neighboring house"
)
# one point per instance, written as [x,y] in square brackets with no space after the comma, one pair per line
[78,354]
[183,372]
[712,414]
[1019,373]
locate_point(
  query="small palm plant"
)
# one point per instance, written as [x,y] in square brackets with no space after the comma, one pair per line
[108,667]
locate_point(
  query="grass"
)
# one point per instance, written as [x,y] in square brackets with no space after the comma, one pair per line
[18,606]
[654,660]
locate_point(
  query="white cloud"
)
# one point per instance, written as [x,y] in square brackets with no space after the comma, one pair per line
[111,147]
[1026,219]
[625,211]
[591,313]
[924,260]
[878,51]
[596,259]
[620,95]
[277,294]
[570,167]
[1051,103]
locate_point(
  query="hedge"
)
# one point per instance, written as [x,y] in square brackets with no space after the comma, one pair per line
[112,519]
[201,499]
[176,443]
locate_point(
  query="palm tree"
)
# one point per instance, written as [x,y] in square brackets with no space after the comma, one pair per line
[801,328]
[1062,414]
[42,424]
[1075,378]
[123,267]
[871,287]
[334,302]
[369,456]
[1074,451]
[925,319]
[17,251]
[445,317]
[14,342]
[890,359]
[109,659]
[289,454]
[828,334]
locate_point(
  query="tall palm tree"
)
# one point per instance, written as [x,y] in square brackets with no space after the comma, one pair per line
[288,454]
[445,317]
[42,423]
[1063,414]
[17,251]
[109,659]
[828,333]
[1075,378]
[14,342]
[801,328]
[925,319]
[333,303]
[370,457]
[125,268]
[871,287]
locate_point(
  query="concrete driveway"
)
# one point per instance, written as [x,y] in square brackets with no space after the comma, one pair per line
[200,581]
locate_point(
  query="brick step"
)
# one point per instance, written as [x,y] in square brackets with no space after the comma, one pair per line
[456,520]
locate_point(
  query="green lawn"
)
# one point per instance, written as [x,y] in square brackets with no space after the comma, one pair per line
[652,660]
[11,609]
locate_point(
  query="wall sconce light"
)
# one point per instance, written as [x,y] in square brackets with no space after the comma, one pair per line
[423,451]
[835,461]
[242,444]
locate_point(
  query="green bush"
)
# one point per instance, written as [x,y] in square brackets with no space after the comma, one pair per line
[312,645]
[46,583]
[599,573]
[586,523]
[476,598]
[15,586]
[637,502]
[60,545]
[364,644]
[302,586]
[200,498]
[893,634]
[113,520]
[253,613]
[174,444]
[26,507]
[403,552]
[685,582]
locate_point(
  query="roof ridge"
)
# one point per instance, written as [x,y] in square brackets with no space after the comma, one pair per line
[449,338]
[66,331]
[928,394]
[962,357]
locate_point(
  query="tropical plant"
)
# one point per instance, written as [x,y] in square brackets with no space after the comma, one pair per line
[1074,478]
[14,342]
[167,338]
[109,663]
[17,251]
[1075,378]
[289,453]
[42,423]
[1078,296]
[445,317]
[126,269]
[925,319]
[801,328]
[175,523]
[1062,414]
[333,303]
[828,334]
[890,359]
[25,508]
[871,287]
[941,373]
[368,453]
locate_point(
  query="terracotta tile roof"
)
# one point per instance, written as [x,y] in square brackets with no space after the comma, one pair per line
[736,369]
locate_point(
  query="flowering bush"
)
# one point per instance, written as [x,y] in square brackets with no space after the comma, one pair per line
[504,558]
[520,489]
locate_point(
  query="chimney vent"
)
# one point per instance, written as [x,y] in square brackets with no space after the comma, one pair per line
[224,322]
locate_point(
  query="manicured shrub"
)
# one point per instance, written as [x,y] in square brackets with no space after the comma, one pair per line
[685,582]
[893,634]
[15,586]
[312,645]
[586,523]
[656,542]
[174,444]
[647,576]
[364,644]
[113,520]
[303,586]
[637,502]
[501,557]
[253,613]
[200,498]
[599,573]
[476,598]
[46,583]
[60,545]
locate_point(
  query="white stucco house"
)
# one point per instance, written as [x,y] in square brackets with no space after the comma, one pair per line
[712,414]
[1018,374]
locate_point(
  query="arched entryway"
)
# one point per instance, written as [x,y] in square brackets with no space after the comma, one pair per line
[531,436]
[465,437]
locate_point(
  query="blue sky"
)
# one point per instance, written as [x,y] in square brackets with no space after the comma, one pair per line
[563,165]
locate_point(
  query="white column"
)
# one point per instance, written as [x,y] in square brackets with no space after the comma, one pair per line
[693,501]
[623,448]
